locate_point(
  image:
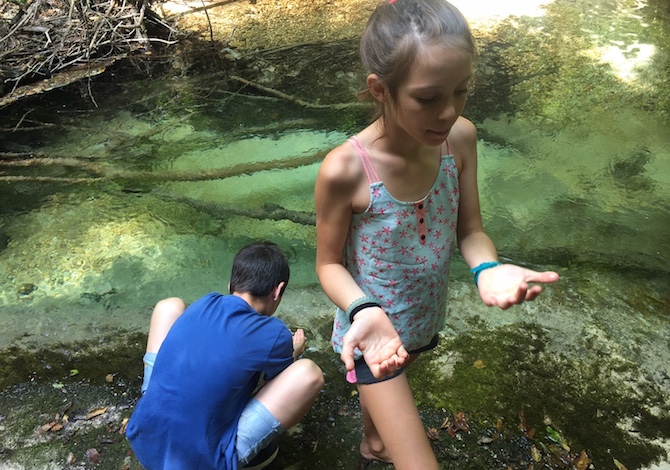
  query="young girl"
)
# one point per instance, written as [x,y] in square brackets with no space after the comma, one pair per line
[390,204]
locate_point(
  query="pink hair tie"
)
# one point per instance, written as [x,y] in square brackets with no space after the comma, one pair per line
[391,1]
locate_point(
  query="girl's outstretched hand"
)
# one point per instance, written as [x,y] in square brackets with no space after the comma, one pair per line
[508,284]
[373,333]
[298,343]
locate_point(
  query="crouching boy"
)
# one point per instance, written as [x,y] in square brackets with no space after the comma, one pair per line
[201,408]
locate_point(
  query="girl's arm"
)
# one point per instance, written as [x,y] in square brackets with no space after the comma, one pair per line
[340,181]
[503,285]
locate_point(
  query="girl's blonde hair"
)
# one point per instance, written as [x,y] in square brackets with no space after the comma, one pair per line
[396,32]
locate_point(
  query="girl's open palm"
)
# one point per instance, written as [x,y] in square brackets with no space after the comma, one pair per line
[374,335]
[508,284]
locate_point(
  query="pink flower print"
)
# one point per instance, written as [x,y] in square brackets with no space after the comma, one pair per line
[403,234]
[375,192]
[404,251]
[405,214]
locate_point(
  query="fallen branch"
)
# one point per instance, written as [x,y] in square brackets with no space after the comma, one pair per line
[267,212]
[298,101]
[107,173]
[218,173]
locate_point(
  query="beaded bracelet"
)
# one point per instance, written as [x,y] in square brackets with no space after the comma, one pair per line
[478,269]
[359,304]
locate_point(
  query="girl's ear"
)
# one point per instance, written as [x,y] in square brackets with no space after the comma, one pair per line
[377,89]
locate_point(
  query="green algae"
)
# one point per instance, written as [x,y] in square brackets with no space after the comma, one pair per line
[599,403]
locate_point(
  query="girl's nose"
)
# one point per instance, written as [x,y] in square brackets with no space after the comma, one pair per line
[448,112]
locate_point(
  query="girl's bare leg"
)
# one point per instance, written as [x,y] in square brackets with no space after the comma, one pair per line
[373,445]
[392,411]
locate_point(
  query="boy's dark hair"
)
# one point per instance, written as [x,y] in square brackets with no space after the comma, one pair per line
[258,268]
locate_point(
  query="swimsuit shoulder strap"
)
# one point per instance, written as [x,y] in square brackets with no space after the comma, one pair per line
[365,160]
[447,147]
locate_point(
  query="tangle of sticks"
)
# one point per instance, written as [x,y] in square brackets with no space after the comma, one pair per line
[39,38]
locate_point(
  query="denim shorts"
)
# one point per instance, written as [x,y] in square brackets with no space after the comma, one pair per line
[256,428]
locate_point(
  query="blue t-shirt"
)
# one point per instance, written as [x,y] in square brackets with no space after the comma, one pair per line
[205,373]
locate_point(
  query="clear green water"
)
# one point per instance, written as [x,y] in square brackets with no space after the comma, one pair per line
[572,112]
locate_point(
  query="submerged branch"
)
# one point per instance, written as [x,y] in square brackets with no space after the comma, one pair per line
[109,174]
[267,212]
[298,101]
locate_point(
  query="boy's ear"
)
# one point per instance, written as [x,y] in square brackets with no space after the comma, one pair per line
[377,89]
[279,291]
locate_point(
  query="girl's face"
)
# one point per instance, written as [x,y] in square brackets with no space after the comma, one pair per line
[433,95]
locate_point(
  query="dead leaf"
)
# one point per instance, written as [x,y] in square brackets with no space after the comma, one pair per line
[499,425]
[96,412]
[432,434]
[461,421]
[484,440]
[535,453]
[48,426]
[93,455]
[478,364]
[583,461]
[619,465]
[124,425]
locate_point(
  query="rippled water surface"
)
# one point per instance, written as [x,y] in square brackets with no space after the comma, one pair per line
[152,192]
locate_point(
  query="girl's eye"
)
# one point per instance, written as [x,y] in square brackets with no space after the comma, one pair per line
[423,100]
[463,91]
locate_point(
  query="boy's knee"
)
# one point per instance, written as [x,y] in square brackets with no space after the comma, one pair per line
[310,374]
[170,306]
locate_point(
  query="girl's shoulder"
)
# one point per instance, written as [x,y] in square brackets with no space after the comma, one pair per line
[463,133]
[463,143]
[342,164]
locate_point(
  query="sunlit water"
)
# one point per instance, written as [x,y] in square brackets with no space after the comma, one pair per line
[574,176]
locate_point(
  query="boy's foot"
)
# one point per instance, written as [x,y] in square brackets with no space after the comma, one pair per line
[264,457]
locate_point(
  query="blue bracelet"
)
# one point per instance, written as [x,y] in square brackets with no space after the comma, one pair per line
[478,269]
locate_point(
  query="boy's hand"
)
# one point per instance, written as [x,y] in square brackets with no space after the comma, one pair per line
[298,343]
[373,333]
[507,284]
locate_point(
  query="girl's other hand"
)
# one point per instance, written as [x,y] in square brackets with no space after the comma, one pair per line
[298,343]
[373,333]
[508,284]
